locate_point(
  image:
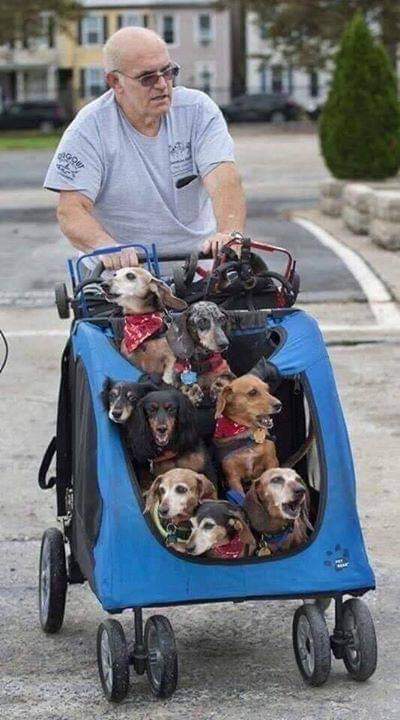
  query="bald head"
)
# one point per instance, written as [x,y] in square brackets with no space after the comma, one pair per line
[129,46]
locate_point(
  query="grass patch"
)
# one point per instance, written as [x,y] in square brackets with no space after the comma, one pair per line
[28,140]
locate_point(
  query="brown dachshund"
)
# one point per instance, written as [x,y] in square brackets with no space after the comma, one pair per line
[277,506]
[144,300]
[242,440]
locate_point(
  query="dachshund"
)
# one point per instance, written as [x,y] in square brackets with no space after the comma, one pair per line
[163,433]
[278,507]
[120,397]
[219,530]
[144,300]
[242,437]
[172,499]
[205,340]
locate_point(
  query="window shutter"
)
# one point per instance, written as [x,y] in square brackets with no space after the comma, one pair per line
[105,28]
[145,21]
[79,32]
[119,21]
[82,83]
[51,32]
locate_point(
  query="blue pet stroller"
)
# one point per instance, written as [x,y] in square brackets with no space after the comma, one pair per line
[116,548]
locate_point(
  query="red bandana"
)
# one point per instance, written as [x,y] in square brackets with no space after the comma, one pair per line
[226,428]
[232,550]
[138,328]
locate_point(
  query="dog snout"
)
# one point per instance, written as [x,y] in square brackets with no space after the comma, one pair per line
[163,510]
[190,549]
[116,414]
[299,492]
[162,429]
[276,406]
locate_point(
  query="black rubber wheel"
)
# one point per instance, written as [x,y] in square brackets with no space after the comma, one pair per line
[311,644]
[162,658]
[113,660]
[361,655]
[52,581]
[62,300]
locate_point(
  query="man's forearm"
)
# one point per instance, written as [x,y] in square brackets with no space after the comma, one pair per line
[225,189]
[82,229]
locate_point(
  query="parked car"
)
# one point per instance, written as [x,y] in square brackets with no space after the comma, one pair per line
[314,109]
[45,116]
[272,107]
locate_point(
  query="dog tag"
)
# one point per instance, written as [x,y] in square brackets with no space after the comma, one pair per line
[188,377]
[259,435]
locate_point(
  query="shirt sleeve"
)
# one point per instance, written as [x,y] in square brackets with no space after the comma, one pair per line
[76,165]
[213,143]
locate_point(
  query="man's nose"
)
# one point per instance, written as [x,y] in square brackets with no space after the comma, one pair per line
[161,83]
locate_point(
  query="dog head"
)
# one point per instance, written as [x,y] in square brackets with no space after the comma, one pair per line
[216,522]
[178,493]
[137,291]
[119,398]
[247,401]
[277,496]
[207,327]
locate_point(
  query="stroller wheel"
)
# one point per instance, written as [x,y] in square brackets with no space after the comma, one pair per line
[162,658]
[360,654]
[52,581]
[62,300]
[311,644]
[113,660]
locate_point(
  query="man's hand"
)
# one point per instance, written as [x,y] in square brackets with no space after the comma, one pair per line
[116,261]
[215,243]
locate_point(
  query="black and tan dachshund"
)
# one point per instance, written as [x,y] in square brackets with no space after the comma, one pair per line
[163,432]
[120,397]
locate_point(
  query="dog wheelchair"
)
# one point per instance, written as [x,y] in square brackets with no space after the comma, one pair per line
[114,547]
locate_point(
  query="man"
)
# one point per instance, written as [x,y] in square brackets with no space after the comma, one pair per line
[146,162]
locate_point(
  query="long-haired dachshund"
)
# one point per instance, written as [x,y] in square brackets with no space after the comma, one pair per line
[144,300]
[206,339]
[242,439]
[120,397]
[220,530]
[163,432]
[277,506]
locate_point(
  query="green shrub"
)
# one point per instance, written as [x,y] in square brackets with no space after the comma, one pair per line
[360,124]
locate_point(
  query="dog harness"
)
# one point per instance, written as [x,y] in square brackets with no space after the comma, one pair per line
[232,550]
[214,364]
[240,434]
[271,542]
[138,328]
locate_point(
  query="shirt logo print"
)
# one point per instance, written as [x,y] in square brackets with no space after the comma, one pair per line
[180,152]
[68,165]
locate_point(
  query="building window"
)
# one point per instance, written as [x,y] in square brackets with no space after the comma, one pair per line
[263,77]
[204,28]
[94,84]
[35,85]
[205,79]
[263,27]
[128,19]
[168,29]
[314,83]
[277,79]
[92,30]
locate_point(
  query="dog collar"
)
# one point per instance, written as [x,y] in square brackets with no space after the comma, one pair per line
[138,328]
[231,550]
[226,428]
[213,364]
[271,541]
[170,532]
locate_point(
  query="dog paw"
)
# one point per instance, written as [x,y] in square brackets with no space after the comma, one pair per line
[194,393]
[338,559]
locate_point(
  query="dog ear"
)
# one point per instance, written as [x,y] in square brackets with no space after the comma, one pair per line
[244,532]
[186,433]
[165,295]
[206,489]
[151,494]
[140,389]
[107,385]
[222,400]
[258,516]
[179,338]
[141,441]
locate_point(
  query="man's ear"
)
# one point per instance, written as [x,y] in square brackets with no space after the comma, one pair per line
[164,293]
[222,400]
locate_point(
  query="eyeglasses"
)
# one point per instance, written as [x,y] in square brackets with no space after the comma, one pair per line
[150,79]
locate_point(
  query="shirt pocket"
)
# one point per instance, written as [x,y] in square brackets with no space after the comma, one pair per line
[188,201]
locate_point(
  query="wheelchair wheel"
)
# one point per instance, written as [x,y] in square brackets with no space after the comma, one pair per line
[162,658]
[311,644]
[360,654]
[52,581]
[113,660]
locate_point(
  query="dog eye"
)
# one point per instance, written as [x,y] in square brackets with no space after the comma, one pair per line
[113,394]
[252,392]
[277,480]
[208,526]
[203,324]
[130,396]
[130,276]
[161,490]
[181,489]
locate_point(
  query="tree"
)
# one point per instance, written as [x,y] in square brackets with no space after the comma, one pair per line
[360,124]
[23,19]
[309,30]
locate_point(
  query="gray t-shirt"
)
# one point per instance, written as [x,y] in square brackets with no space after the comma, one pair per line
[131,178]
